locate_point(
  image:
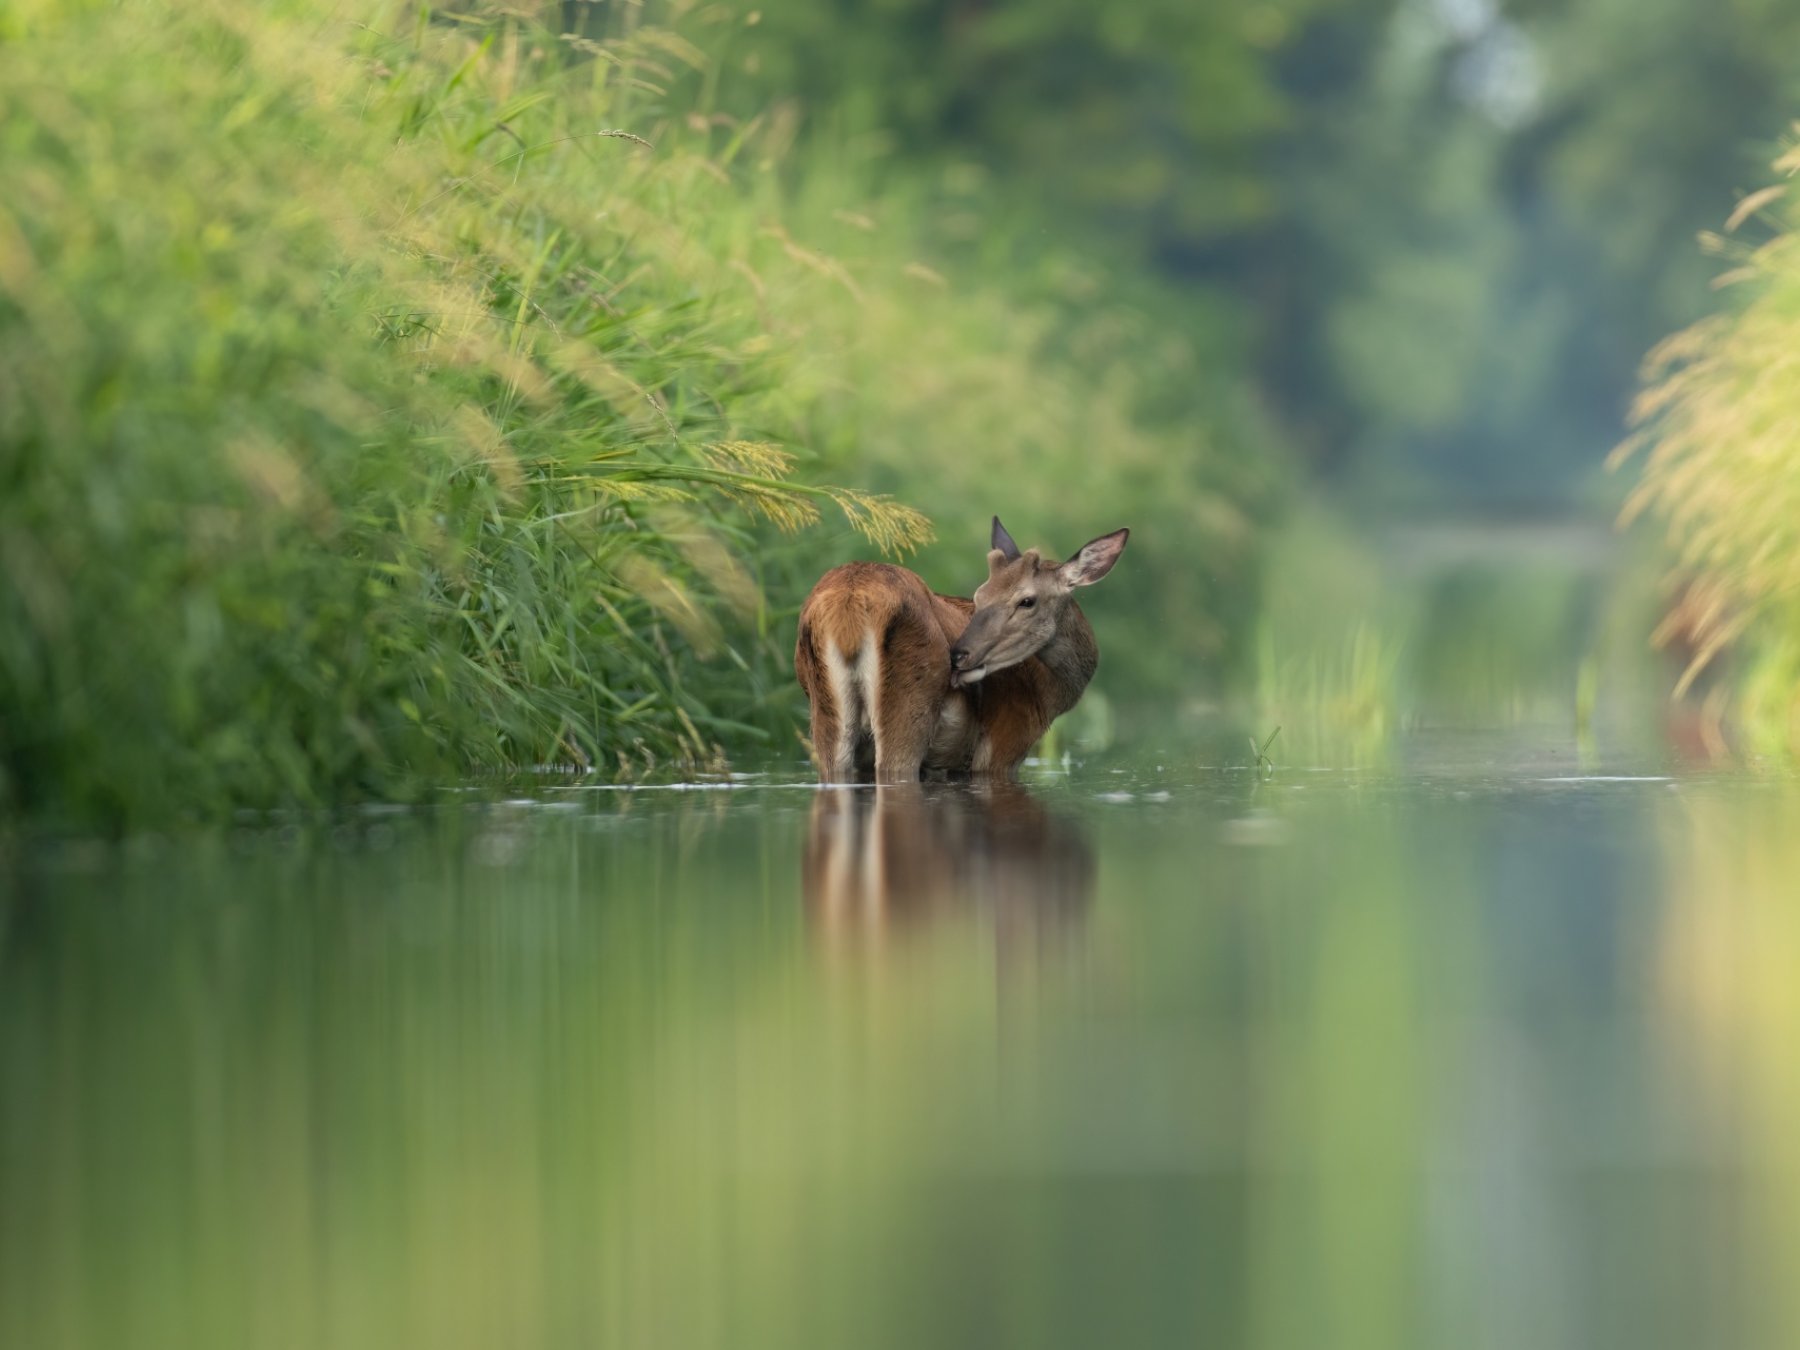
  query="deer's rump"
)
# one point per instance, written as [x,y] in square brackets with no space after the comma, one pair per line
[873,655]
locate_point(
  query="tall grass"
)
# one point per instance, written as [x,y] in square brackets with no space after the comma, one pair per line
[1718,430]
[371,410]
[386,395]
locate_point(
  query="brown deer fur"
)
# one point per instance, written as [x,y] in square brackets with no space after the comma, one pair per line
[878,651]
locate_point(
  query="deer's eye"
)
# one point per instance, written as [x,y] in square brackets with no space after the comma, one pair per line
[1028,602]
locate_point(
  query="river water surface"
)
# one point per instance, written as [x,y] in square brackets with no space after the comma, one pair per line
[1495,1043]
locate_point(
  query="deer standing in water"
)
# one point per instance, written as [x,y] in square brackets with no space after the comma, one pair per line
[902,679]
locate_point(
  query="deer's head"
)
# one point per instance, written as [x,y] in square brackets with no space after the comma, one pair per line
[1020,606]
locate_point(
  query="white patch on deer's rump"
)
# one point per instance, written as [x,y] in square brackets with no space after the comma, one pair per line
[868,677]
[843,686]
[852,680]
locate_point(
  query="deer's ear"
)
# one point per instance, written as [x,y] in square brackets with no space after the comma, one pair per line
[1003,542]
[1095,560]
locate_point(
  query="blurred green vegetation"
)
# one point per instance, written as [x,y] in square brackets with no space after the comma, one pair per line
[380,401]
[1432,238]
[387,393]
[1453,623]
[1720,470]
[362,422]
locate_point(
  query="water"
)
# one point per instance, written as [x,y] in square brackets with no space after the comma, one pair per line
[1491,1045]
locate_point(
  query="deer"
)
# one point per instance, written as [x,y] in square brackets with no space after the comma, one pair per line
[904,681]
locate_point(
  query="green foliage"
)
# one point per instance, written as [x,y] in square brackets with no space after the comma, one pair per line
[1497,213]
[1146,116]
[422,394]
[1435,237]
[370,412]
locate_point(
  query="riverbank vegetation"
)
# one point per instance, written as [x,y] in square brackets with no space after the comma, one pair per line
[1718,436]
[388,396]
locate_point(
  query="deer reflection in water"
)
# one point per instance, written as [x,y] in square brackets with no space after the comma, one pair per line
[883,860]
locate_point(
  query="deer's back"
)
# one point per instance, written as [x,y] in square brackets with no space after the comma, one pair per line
[858,598]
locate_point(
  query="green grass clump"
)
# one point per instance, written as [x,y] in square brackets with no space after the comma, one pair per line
[371,410]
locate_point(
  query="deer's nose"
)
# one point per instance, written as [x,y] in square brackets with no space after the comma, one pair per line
[957,656]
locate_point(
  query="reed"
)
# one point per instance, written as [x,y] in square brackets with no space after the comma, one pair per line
[372,410]
[388,396]
[1717,431]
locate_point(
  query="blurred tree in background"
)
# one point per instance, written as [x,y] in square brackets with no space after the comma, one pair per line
[1436,235]
[1565,158]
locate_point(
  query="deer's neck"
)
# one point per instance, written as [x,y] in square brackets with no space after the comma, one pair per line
[1069,660]
[993,725]
[1013,708]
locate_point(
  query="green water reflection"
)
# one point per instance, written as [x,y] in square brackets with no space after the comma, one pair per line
[1481,1049]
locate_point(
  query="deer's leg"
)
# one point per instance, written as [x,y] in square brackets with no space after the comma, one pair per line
[845,751]
[824,677]
[833,743]
[910,681]
[899,755]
